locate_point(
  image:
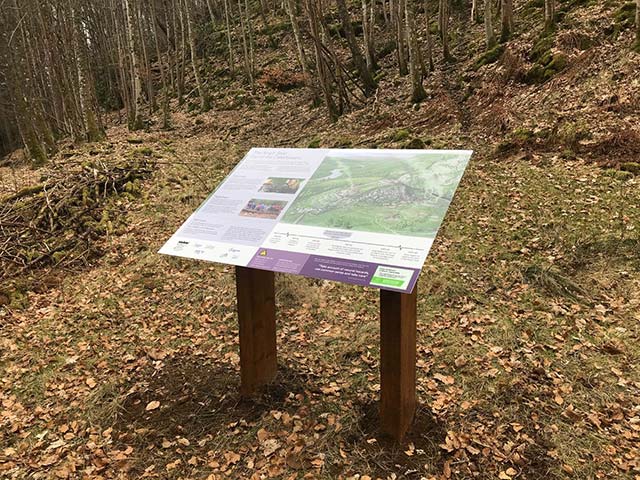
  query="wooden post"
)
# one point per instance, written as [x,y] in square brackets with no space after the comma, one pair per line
[397,361]
[255,290]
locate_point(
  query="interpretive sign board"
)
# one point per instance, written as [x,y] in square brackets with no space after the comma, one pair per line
[366,217]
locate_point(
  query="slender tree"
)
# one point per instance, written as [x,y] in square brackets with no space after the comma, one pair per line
[202,93]
[417,90]
[488,25]
[638,24]
[368,24]
[427,22]
[322,65]
[401,36]
[297,35]
[136,120]
[356,55]
[443,24]
[506,20]
[549,14]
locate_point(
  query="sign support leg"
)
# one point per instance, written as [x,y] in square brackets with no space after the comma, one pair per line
[397,361]
[255,291]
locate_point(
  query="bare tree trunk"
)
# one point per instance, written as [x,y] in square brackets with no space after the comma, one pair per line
[368,24]
[246,46]
[249,22]
[166,115]
[549,14]
[429,39]
[365,75]
[229,43]
[321,63]
[92,128]
[417,90]
[204,98]
[443,23]
[384,13]
[302,58]
[401,38]
[638,24]
[488,25]
[475,15]
[136,121]
[507,20]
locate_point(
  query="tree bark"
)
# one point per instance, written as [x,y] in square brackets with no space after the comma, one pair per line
[443,20]
[204,98]
[136,120]
[361,65]
[401,38]
[368,26]
[507,20]
[490,36]
[417,90]
[229,42]
[93,130]
[549,14]
[321,64]
[429,39]
[302,58]
[638,24]
[166,115]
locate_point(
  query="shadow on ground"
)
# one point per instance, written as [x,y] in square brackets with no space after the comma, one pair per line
[385,455]
[199,398]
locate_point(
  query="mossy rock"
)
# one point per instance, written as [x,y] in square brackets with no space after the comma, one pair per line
[541,47]
[491,56]
[535,75]
[541,72]
[401,135]
[523,135]
[415,144]
[631,167]
[16,299]
[558,62]
[315,143]
[144,151]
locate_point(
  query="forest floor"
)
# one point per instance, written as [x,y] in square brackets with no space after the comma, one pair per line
[529,306]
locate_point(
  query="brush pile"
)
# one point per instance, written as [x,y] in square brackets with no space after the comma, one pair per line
[59,221]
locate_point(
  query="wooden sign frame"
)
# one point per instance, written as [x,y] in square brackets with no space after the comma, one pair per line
[258,351]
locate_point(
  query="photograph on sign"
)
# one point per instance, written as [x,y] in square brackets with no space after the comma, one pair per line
[366,217]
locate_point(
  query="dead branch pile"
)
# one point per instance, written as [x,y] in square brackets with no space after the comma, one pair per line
[60,221]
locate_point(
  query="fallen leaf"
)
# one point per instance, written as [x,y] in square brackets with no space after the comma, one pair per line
[446,379]
[232,457]
[152,405]
[270,446]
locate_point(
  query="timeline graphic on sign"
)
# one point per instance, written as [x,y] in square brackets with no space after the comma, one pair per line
[367,217]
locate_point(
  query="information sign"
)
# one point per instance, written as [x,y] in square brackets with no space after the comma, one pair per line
[366,217]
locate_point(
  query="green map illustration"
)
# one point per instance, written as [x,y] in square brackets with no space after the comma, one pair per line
[401,195]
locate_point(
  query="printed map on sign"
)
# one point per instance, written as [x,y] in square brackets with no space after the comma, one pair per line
[400,196]
[366,217]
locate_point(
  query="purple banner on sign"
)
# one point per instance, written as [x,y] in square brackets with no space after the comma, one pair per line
[350,271]
[325,268]
[278,261]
